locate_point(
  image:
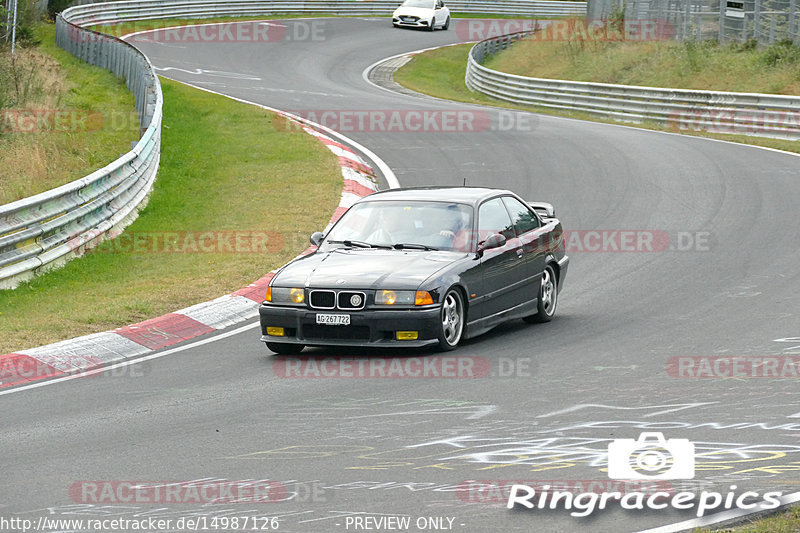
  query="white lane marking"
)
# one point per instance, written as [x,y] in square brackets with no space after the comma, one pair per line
[229,87]
[688,525]
[790,340]
[213,73]
[672,408]
[387,172]
[134,361]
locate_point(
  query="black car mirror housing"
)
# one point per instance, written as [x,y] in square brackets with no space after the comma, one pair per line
[316,238]
[494,240]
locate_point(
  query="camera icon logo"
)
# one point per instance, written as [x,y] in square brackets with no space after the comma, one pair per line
[651,457]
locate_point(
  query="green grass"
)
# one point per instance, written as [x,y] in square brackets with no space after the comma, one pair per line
[225,166]
[47,78]
[686,65]
[441,73]
[785,522]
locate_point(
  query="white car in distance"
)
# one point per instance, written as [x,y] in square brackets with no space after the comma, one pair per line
[428,14]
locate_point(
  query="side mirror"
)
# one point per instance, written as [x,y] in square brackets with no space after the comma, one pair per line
[316,238]
[494,240]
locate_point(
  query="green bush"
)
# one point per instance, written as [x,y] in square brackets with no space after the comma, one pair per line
[781,53]
[57,6]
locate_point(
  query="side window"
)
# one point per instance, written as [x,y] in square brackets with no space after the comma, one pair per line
[439,4]
[493,218]
[522,216]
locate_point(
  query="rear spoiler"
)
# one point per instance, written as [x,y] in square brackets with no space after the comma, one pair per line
[543,209]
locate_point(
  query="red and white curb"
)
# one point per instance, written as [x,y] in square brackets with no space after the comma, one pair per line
[89,352]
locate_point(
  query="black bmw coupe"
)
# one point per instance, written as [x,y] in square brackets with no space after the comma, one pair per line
[417,267]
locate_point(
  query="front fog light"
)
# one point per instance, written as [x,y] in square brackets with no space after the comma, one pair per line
[275,332]
[407,335]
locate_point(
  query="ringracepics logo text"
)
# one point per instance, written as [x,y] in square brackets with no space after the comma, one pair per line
[586,503]
[649,457]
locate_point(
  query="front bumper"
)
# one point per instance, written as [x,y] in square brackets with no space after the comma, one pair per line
[368,327]
[421,23]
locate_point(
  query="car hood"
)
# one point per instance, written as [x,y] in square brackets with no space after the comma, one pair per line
[365,269]
[421,12]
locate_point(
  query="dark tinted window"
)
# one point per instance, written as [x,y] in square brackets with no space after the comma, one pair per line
[493,218]
[523,217]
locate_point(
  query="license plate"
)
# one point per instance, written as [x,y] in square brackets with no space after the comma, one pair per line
[333,320]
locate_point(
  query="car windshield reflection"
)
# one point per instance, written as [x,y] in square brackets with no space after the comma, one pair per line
[418,3]
[404,226]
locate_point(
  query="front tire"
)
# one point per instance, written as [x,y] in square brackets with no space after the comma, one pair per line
[548,297]
[285,349]
[433,24]
[451,320]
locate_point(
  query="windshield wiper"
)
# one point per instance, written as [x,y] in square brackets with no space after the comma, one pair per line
[412,246]
[359,244]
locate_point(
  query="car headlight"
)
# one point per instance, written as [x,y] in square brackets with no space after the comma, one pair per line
[286,295]
[389,297]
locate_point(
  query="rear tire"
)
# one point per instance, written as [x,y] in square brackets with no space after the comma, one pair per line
[548,297]
[285,349]
[451,321]
[446,24]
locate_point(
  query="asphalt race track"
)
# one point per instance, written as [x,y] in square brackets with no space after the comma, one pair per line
[722,280]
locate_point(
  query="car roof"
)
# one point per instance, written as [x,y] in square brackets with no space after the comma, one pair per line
[464,195]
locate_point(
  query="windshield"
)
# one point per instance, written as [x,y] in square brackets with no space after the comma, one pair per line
[431,225]
[418,3]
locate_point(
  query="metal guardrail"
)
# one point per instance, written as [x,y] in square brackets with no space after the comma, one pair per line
[762,115]
[46,230]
